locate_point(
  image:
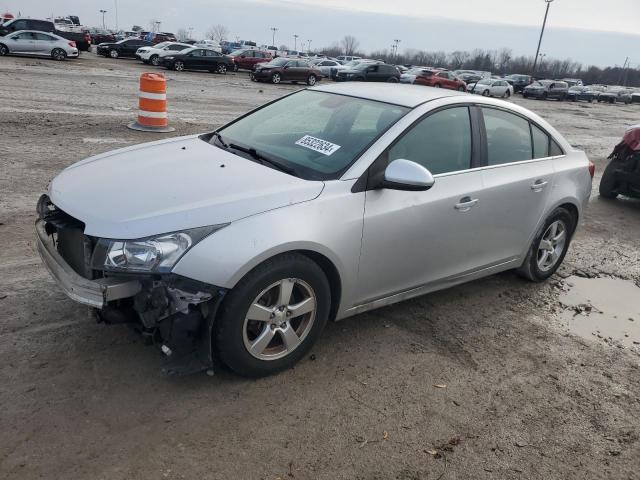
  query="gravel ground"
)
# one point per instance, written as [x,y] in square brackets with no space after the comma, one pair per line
[482,381]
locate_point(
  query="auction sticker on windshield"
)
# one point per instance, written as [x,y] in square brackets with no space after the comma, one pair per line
[318,145]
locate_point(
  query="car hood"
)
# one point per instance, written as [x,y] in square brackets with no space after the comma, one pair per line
[171,185]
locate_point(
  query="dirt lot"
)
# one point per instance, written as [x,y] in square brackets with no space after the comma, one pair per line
[524,396]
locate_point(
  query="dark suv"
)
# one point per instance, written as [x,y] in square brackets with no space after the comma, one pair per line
[545,89]
[369,72]
[286,70]
[519,82]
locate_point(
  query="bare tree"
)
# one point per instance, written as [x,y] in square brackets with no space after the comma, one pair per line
[217,32]
[350,44]
[182,34]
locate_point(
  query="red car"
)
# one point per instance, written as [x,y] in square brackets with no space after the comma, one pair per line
[440,79]
[248,59]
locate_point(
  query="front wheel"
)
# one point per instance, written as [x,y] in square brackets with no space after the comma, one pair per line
[235,67]
[155,60]
[507,94]
[608,185]
[549,247]
[178,66]
[437,85]
[271,318]
[58,54]
[114,53]
[275,78]
[3,50]
[221,69]
[311,80]
[486,93]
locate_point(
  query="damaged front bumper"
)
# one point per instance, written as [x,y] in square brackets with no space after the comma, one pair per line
[173,312]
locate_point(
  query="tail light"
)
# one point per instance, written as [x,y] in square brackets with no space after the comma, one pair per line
[72,44]
[87,38]
[592,168]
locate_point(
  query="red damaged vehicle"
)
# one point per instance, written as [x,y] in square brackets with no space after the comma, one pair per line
[440,79]
[248,59]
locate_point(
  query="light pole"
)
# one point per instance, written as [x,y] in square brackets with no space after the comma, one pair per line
[309,49]
[273,37]
[544,23]
[116,5]
[103,25]
[396,42]
[541,57]
[295,42]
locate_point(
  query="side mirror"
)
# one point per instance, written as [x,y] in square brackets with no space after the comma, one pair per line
[404,174]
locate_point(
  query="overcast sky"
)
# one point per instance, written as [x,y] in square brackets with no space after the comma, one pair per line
[591,31]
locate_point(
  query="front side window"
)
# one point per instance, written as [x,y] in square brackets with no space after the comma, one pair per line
[508,137]
[316,134]
[440,142]
[25,36]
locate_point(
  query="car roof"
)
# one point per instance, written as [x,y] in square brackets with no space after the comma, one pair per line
[404,95]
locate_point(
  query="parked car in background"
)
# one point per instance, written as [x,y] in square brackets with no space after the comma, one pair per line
[82,39]
[468,76]
[440,79]
[29,42]
[402,69]
[248,59]
[347,58]
[153,54]
[369,72]
[491,87]
[228,47]
[616,94]
[101,36]
[410,75]
[160,37]
[210,44]
[328,67]
[519,82]
[580,93]
[334,201]
[573,82]
[195,58]
[122,48]
[286,70]
[546,89]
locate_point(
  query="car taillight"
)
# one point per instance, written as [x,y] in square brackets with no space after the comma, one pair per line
[592,168]
[87,38]
[72,44]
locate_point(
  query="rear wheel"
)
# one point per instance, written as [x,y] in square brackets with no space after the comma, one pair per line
[549,247]
[275,78]
[486,93]
[114,53]
[608,185]
[392,80]
[311,80]
[178,66]
[155,60]
[3,50]
[271,318]
[58,54]
[507,94]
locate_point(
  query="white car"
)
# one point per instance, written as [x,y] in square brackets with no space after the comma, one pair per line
[153,54]
[31,42]
[324,204]
[328,67]
[210,44]
[410,75]
[491,87]
[347,58]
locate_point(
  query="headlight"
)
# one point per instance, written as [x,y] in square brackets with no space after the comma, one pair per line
[168,58]
[156,254]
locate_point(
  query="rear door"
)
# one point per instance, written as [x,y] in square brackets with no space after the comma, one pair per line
[43,43]
[517,180]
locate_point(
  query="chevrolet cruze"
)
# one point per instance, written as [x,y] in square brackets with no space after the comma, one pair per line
[243,242]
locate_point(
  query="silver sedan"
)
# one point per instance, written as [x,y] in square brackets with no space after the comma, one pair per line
[327,203]
[31,42]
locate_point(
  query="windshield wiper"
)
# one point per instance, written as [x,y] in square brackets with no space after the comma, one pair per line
[219,137]
[261,158]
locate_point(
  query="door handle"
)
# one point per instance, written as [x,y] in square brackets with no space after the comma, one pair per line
[538,185]
[465,204]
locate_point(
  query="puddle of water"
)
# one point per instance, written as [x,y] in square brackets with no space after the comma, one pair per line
[606,308]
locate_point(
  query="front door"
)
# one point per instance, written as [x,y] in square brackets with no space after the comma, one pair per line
[411,239]
[24,42]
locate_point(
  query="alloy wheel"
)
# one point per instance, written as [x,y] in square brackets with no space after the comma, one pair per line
[311,80]
[275,78]
[58,54]
[552,245]
[222,69]
[155,60]
[178,66]
[3,50]
[279,319]
[113,54]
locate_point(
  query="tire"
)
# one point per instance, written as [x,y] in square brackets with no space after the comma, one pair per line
[311,80]
[461,89]
[608,185]
[486,93]
[58,54]
[392,80]
[235,333]
[178,66]
[437,85]
[154,60]
[221,69]
[524,95]
[114,53]
[235,67]
[276,78]
[507,94]
[537,266]
[544,96]
[3,50]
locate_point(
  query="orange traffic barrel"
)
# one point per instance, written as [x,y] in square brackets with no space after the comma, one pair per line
[152,104]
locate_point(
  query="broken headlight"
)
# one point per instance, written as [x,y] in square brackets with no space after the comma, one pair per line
[157,254]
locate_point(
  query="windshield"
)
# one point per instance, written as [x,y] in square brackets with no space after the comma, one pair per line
[161,44]
[236,53]
[317,135]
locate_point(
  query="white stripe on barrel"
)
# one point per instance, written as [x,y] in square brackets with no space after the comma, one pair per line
[152,96]
[144,113]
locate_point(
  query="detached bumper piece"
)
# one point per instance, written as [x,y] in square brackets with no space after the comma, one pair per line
[94,293]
